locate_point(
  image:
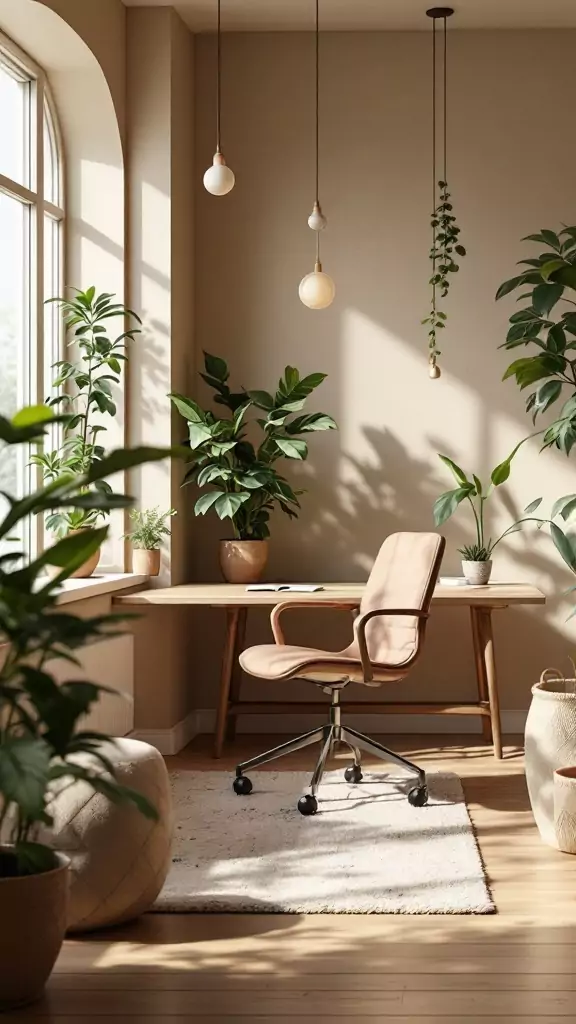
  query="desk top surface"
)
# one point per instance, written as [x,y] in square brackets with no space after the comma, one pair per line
[229,595]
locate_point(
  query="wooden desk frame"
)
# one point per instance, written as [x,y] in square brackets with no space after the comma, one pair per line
[235,600]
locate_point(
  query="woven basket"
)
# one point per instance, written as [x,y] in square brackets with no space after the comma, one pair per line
[550,743]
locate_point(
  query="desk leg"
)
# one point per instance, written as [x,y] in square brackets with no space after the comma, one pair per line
[480,670]
[487,646]
[236,672]
[232,619]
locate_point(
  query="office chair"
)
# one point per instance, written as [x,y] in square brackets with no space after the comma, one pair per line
[388,638]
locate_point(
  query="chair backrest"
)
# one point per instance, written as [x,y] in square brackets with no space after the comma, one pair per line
[403,576]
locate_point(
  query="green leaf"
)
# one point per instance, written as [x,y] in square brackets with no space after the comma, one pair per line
[501,473]
[262,399]
[190,410]
[446,505]
[227,505]
[566,276]
[292,449]
[216,367]
[545,297]
[565,545]
[533,505]
[547,394]
[31,415]
[24,765]
[198,433]
[458,473]
[34,858]
[313,421]
[564,506]
[509,286]
[550,267]
[128,458]
[205,502]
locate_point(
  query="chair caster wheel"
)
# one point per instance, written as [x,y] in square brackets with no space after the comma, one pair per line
[308,804]
[242,785]
[418,796]
[353,774]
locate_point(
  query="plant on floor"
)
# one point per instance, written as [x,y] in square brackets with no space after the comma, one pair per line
[547,323]
[245,484]
[88,377]
[149,527]
[39,735]
[477,494]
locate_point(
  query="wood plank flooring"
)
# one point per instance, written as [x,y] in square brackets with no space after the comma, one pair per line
[516,965]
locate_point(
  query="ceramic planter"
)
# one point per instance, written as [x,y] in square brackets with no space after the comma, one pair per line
[88,567]
[565,809]
[550,743]
[145,561]
[33,911]
[243,561]
[477,573]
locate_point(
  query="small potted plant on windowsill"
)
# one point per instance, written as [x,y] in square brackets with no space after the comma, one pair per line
[246,484]
[88,383]
[146,537]
[477,557]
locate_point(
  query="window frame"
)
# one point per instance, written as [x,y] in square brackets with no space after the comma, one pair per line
[40,106]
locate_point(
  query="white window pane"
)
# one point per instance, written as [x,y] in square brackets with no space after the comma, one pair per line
[51,175]
[14,335]
[52,289]
[14,127]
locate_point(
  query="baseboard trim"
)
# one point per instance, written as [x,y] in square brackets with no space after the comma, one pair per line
[170,741]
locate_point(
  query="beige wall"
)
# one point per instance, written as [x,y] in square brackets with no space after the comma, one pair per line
[380,472]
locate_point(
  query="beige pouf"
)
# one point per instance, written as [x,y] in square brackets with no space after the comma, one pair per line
[119,858]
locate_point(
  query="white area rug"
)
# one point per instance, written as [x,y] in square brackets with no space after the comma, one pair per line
[366,851]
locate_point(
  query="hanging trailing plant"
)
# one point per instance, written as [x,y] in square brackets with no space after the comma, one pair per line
[445,231]
[445,246]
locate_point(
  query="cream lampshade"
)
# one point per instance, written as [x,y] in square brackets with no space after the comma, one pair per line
[219,178]
[317,290]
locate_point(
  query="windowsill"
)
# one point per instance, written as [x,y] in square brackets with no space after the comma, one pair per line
[100,583]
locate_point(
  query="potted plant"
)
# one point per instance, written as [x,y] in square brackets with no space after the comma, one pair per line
[477,557]
[245,484]
[146,537]
[446,246]
[39,734]
[89,384]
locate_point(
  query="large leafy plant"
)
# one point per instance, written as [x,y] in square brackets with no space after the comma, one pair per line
[476,494]
[546,325]
[245,484]
[40,736]
[87,377]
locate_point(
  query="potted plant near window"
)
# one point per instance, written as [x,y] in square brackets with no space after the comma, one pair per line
[146,537]
[39,736]
[477,557]
[545,327]
[245,485]
[89,383]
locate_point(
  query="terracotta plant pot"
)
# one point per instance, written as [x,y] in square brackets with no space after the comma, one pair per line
[477,573]
[565,809]
[549,743]
[33,911]
[88,567]
[243,561]
[146,561]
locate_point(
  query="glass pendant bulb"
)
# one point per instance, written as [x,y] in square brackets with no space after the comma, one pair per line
[317,290]
[317,221]
[219,178]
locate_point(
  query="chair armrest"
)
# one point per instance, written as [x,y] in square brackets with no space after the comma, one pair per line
[360,632]
[284,606]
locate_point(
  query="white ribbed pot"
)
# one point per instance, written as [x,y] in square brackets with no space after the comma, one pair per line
[477,573]
[565,809]
[550,743]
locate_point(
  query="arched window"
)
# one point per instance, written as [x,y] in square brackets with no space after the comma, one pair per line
[31,246]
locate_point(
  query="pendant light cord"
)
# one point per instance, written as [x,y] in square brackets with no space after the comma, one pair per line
[317,55]
[218,98]
[445,94]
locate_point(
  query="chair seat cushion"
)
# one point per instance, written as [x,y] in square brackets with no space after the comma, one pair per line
[271,661]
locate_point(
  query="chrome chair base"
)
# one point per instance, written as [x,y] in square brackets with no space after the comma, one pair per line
[329,736]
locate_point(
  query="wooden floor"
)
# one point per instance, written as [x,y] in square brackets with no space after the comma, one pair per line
[516,965]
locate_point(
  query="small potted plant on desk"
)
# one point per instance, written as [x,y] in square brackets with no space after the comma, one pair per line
[40,737]
[146,537]
[246,485]
[477,557]
[89,391]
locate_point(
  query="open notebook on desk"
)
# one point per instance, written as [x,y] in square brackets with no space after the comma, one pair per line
[291,588]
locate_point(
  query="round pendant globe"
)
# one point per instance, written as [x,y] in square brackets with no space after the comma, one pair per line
[219,179]
[317,290]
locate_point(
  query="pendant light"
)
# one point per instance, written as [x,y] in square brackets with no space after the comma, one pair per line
[317,289]
[218,179]
[446,246]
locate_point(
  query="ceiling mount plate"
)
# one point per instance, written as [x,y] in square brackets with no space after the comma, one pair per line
[440,12]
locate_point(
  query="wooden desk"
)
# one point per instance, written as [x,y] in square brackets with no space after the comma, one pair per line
[480,601]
